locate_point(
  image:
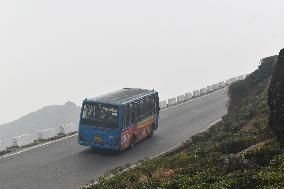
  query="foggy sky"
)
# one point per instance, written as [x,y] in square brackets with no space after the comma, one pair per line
[53,51]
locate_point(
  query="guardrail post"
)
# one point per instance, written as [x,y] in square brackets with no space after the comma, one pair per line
[163,104]
[180,99]
[222,84]
[188,96]
[2,146]
[22,140]
[203,91]
[210,88]
[67,129]
[172,101]
[47,134]
[196,93]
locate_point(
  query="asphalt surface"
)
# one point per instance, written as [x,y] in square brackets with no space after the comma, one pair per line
[67,165]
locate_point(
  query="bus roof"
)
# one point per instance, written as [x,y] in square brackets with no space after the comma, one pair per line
[122,96]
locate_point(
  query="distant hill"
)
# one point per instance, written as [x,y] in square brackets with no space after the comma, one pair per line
[44,118]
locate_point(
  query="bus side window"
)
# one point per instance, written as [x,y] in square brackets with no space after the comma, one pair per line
[137,110]
[130,113]
[133,113]
[142,110]
[152,103]
[145,106]
[148,105]
[125,116]
[157,104]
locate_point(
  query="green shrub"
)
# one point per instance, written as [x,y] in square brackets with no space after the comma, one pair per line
[262,155]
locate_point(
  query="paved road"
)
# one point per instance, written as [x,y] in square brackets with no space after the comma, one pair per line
[65,164]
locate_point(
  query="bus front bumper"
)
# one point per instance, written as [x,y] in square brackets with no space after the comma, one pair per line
[100,146]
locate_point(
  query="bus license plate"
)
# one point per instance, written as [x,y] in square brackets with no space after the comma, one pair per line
[98,139]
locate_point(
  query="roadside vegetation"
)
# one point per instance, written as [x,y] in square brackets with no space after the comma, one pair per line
[239,152]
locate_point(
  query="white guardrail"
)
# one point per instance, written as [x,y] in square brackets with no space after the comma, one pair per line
[188,96]
[180,98]
[2,146]
[216,86]
[172,101]
[66,129]
[23,140]
[203,91]
[210,88]
[163,104]
[46,134]
[196,93]
[222,84]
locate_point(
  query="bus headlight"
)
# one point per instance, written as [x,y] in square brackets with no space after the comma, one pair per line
[111,137]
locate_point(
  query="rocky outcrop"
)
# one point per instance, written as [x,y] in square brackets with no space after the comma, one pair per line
[276,99]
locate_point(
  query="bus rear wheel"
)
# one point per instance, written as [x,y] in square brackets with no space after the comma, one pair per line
[151,131]
[132,144]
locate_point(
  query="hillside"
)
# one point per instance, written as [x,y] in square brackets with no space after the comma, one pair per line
[46,117]
[238,152]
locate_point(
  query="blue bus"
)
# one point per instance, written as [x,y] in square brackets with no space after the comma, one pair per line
[120,119]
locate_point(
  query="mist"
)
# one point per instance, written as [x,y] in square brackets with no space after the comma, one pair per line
[58,50]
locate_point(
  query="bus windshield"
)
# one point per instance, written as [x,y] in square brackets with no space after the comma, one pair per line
[100,115]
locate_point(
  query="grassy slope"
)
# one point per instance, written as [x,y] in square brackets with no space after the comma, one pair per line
[239,152]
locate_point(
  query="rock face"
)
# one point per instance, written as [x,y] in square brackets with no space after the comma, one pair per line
[276,99]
